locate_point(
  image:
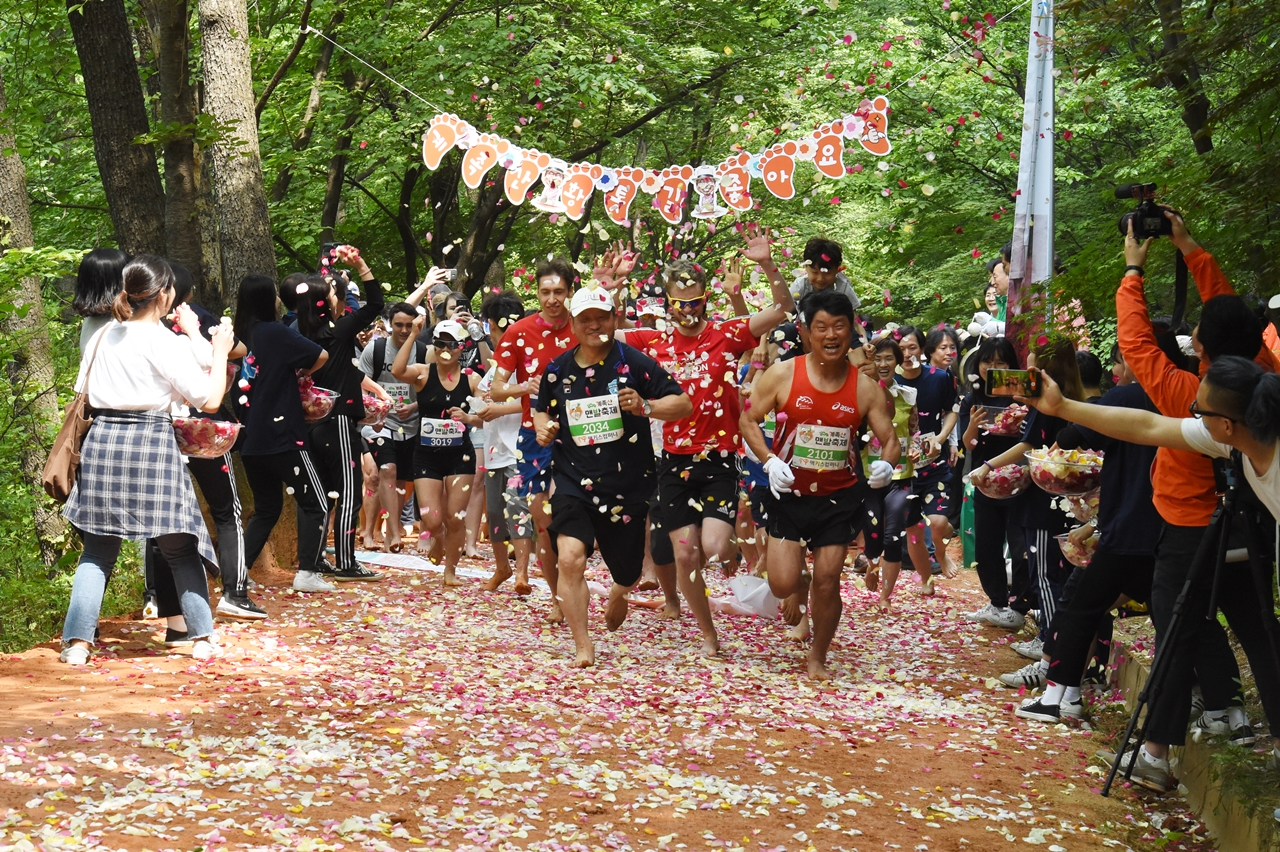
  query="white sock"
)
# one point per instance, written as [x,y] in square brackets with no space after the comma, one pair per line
[1052,693]
[1150,757]
[1236,717]
[1072,695]
[1044,666]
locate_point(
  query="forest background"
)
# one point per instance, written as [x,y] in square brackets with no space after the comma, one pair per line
[229,138]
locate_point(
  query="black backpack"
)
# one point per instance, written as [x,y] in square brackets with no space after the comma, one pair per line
[380,355]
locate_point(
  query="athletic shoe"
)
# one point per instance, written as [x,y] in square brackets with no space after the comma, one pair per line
[1216,724]
[1037,710]
[1008,618]
[149,608]
[1273,762]
[232,606]
[176,637]
[356,572]
[1152,774]
[1032,649]
[1197,701]
[1029,676]
[325,568]
[861,564]
[981,616]
[204,649]
[310,581]
[74,655]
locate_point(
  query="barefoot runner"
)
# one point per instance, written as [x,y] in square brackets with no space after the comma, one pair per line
[593,411]
[817,484]
[524,353]
[444,462]
[698,478]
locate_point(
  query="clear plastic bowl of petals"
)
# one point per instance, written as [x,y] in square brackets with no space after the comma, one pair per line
[317,402]
[1079,555]
[1004,420]
[205,438]
[1068,473]
[1002,483]
[376,410]
[1084,507]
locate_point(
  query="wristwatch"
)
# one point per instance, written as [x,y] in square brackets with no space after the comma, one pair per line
[646,408]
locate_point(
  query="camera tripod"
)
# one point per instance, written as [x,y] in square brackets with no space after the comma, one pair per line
[1211,553]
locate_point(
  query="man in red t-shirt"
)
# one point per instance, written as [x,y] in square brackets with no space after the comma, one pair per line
[527,347]
[698,475]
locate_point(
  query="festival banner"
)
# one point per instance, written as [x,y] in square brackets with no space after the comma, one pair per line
[714,190]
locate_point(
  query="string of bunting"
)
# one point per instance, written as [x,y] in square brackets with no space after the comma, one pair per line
[718,190]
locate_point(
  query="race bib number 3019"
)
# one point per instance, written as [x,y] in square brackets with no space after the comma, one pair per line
[821,448]
[441,433]
[594,420]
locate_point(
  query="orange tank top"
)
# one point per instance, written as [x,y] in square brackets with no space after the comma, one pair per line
[815,436]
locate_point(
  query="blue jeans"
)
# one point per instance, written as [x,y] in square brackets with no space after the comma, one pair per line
[94,571]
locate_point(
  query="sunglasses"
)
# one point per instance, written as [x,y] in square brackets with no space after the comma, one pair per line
[1200,413]
[446,343]
[687,304]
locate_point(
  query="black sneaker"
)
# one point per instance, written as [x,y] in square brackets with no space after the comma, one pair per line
[325,568]
[358,572]
[176,637]
[1242,736]
[240,607]
[1037,710]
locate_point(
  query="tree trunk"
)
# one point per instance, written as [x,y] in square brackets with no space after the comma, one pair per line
[244,225]
[302,138]
[171,34]
[31,370]
[338,162]
[1183,74]
[404,223]
[118,113]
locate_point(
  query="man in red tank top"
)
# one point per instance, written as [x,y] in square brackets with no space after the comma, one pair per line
[814,475]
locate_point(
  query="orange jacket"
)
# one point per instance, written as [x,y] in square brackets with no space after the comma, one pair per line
[1182,482]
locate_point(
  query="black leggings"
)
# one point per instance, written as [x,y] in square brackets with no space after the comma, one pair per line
[886,524]
[1086,601]
[992,528]
[267,475]
[217,481]
[336,446]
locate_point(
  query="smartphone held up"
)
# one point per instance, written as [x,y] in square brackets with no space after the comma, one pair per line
[1001,382]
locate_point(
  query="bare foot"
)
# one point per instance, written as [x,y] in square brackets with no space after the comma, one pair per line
[647,584]
[616,611]
[925,589]
[710,646]
[801,631]
[872,578]
[472,553]
[501,574]
[555,616]
[451,579]
[949,568]
[670,611]
[793,608]
[395,546]
[523,589]
[585,659]
[370,544]
[818,669]
[883,604]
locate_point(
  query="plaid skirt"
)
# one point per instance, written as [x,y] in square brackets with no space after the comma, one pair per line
[133,481]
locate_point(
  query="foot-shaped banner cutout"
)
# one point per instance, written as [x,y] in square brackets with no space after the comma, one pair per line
[578,187]
[875,135]
[778,166]
[829,158]
[617,201]
[524,174]
[444,132]
[481,157]
[671,196]
[735,182]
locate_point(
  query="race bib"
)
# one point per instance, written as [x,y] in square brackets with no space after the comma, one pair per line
[821,448]
[594,420]
[399,392]
[442,433]
[768,426]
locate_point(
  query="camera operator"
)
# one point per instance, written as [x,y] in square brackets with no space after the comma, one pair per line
[1185,495]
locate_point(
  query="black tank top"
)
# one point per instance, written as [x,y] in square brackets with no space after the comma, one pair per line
[434,401]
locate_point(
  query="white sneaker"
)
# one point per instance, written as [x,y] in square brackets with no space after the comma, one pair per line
[1031,676]
[1032,649]
[74,655]
[982,615]
[310,581]
[1008,618]
[204,649]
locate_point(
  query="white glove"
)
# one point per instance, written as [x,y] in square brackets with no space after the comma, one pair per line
[780,476]
[881,474]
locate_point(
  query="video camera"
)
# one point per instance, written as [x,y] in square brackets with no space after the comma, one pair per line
[1148,218]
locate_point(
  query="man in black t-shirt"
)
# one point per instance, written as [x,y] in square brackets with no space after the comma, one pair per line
[594,411]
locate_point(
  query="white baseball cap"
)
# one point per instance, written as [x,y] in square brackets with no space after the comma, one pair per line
[591,299]
[451,328]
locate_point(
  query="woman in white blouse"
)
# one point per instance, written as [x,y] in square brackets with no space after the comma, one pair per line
[132,482]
